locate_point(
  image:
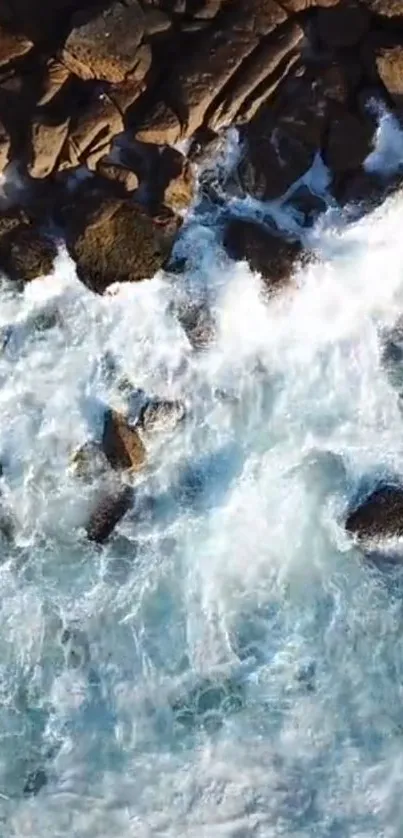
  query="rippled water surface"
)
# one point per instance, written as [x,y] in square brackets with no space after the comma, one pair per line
[240,665]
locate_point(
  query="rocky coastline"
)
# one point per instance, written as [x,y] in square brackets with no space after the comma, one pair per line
[108,110]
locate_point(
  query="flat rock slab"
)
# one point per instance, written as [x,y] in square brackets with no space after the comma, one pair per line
[379,516]
[104,47]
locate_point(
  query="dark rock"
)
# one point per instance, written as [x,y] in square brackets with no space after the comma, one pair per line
[268,254]
[308,205]
[104,46]
[379,516]
[109,509]
[35,781]
[343,25]
[25,253]
[281,141]
[100,230]
[172,180]
[349,141]
[91,133]
[121,444]
[365,189]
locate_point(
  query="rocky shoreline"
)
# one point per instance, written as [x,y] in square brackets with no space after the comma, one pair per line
[108,110]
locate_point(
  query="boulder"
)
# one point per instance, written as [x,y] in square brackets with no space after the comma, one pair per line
[386,8]
[261,70]
[104,46]
[91,133]
[281,141]
[117,174]
[344,25]
[389,63]
[46,143]
[101,230]
[12,46]
[5,146]
[379,516]
[121,443]
[109,508]
[348,142]
[270,255]
[25,252]
[171,179]
[160,415]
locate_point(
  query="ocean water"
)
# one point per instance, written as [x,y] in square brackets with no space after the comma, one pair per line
[229,664]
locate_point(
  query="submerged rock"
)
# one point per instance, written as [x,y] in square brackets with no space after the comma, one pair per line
[379,516]
[271,255]
[160,415]
[109,508]
[89,461]
[121,443]
[35,781]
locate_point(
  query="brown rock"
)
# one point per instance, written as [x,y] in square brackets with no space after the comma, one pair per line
[5,145]
[25,253]
[125,94]
[343,25]
[104,47]
[46,144]
[300,5]
[121,444]
[387,8]
[100,233]
[118,174]
[91,134]
[259,16]
[268,254]
[379,516]
[55,77]
[389,63]
[258,69]
[349,141]
[109,509]
[12,46]
[160,126]
[174,182]
[89,462]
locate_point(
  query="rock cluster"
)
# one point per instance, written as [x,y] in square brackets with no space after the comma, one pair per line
[112,86]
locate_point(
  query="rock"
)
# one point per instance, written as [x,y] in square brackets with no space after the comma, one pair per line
[281,141]
[12,46]
[5,146]
[25,252]
[160,415]
[365,189]
[268,254]
[348,143]
[46,143]
[118,174]
[89,462]
[379,516]
[343,25]
[198,79]
[35,781]
[55,77]
[171,180]
[91,134]
[294,6]
[104,46]
[100,230]
[386,8]
[257,71]
[198,324]
[160,126]
[110,507]
[308,205]
[389,63]
[121,444]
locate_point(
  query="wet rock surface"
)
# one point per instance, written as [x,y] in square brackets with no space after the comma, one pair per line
[379,516]
[267,253]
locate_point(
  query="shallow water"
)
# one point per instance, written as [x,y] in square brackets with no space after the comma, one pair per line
[240,663]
